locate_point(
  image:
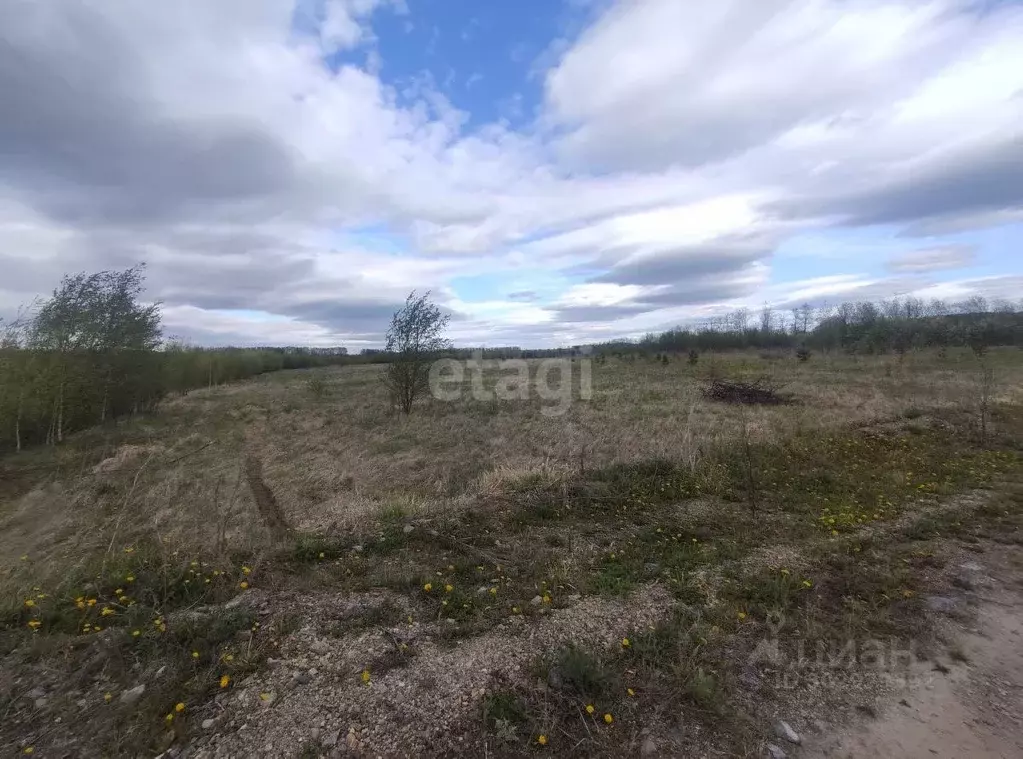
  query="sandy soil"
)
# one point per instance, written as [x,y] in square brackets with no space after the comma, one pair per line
[975,709]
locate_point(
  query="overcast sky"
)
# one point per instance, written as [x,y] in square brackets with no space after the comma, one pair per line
[555,171]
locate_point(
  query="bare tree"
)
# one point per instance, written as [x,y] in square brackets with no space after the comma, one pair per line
[413,340]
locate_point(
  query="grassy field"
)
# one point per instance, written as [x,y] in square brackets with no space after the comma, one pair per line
[289,567]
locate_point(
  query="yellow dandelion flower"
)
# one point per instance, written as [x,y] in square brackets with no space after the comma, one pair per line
[243,585]
[225,680]
[448,588]
[590,709]
[91,602]
[546,598]
[108,697]
[130,578]
[29,603]
[169,718]
[246,570]
[34,624]
[542,740]
[195,654]
[107,611]
[365,676]
[428,587]
[625,643]
[741,615]
[608,718]
[493,591]
[29,750]
[179,707]
[630,691]
[136,633]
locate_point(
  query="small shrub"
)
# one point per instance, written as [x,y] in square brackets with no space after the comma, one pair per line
[803,354]
[583,673]
[694,357]
[316,386]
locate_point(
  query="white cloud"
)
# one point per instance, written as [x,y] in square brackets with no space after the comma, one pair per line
[933,259]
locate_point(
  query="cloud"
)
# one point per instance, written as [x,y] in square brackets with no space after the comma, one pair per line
[979,179]
[237,149]
[694,83]
[933,259]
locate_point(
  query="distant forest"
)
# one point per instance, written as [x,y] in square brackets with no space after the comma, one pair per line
[890,326]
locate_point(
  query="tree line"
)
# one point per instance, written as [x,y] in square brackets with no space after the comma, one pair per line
[889,326]
[93,352]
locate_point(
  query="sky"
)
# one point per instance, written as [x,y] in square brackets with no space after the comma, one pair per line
[555,172]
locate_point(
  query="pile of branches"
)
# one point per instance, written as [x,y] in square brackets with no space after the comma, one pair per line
[760,390]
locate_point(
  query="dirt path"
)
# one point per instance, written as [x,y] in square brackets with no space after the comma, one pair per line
[975,708]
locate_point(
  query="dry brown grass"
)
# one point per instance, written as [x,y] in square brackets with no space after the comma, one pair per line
[334,459]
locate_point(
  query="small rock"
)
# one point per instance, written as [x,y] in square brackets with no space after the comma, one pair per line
[40,703]
[330,739]
[131,696]
[35,693]
[302,678]
[353,742]
[536,600]
[942,604]
[574,597]
[357,549]
[481,590]
[208,723]
[652,567]
[649,748]
[313,671]
[783,730]
[407,529]
[775,752]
